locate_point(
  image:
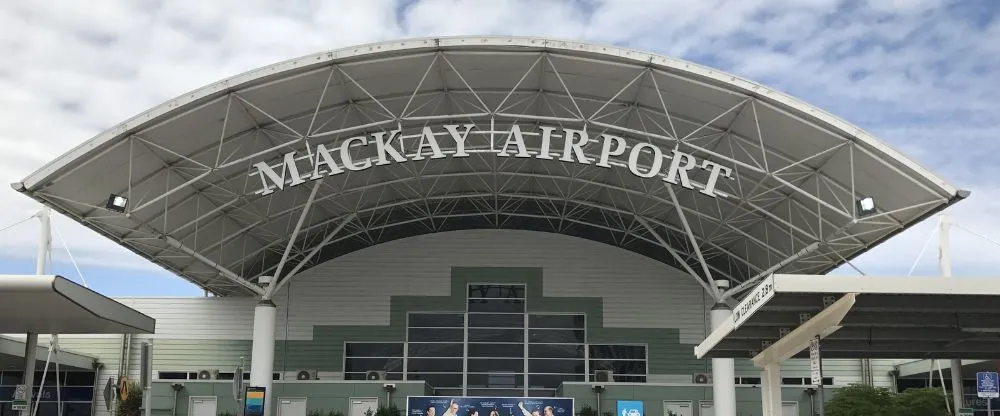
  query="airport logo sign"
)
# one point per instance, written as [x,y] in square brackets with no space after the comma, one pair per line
[756,299]
[388,147]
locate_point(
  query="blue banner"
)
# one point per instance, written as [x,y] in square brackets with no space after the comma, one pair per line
[48,394]
[488,406]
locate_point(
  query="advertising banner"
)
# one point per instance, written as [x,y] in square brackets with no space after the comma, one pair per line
[488,406]
[253,404]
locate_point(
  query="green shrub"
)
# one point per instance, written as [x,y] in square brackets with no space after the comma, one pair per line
[862,400]
[922,402]
[132,405]
[586,410]
[391,410]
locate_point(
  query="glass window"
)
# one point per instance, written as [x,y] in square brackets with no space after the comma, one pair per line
[363,376]
[619,367]
[434,365]
[482,320]
[629,379]
[626,352]
[437,320]
[496,305]
[436,335]
[496,350]
[11,378]
[361,365]
[373,349]
[436,350]
[496,291]
[172,375]
[496,335]
[484,365]
[555,351]
[80,378]
[556,321]
[437,380]
[556,366]
[549,381]
[496,380]
[557,336]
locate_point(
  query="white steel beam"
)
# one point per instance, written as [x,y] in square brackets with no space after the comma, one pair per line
[228,274]
[316,249]
[291,241]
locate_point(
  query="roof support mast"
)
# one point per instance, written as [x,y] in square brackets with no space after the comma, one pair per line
[944,259]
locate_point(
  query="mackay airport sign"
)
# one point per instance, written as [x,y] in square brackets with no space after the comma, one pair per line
[389,147]
[757,298]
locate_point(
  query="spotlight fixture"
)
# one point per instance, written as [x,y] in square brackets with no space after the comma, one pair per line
[866,206]
[117,203]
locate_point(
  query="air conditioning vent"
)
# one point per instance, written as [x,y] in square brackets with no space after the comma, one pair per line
[702,378]
[307,375]
[603,376]
[375,375]
[208,374]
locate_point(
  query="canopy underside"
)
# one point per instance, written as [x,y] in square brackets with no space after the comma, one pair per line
[201,206]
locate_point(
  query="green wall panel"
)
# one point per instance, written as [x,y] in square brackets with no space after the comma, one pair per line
[667,355]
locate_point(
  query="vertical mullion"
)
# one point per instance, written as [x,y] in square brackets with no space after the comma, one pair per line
[524,371]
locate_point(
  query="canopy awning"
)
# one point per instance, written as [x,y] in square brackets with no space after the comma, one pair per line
[891,317]
[276,170]
[55,305]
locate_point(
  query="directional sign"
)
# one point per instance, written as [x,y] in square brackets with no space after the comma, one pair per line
[20,400]
[109,393]
[987,385]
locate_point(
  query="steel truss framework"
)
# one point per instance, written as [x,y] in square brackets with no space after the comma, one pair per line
[186,166]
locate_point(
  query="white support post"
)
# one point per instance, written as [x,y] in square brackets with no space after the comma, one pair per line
[944,258]
[262,352]
[723,369]
[31,340]
[770,390]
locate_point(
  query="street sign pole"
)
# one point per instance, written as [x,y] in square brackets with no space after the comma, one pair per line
[816,371]
[988,387]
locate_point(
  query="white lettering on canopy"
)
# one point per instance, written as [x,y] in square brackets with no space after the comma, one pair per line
[643,160]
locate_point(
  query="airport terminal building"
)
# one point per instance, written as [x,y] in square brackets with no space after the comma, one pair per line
[477,216]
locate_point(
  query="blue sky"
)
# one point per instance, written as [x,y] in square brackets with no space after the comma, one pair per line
[923,75]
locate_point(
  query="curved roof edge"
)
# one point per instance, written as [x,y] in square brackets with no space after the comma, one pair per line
[220,88]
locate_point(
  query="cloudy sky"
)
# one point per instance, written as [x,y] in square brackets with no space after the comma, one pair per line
[923,75]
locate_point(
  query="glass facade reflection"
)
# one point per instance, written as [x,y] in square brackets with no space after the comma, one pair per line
[495,347]
[76,391]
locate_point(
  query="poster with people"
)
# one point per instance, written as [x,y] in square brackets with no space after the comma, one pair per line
[488,406]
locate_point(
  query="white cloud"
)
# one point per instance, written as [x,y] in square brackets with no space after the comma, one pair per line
[921,74]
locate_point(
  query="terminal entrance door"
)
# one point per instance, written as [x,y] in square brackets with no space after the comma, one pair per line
[678,407]
[360,407]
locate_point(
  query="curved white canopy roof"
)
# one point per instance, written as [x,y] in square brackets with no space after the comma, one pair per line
[772,182]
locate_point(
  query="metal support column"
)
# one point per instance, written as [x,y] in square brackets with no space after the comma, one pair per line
[262,352]
[723,369]
[31,340]
[944,259]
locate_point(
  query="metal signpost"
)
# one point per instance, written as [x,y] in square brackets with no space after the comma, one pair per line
[988,387]
[816,371]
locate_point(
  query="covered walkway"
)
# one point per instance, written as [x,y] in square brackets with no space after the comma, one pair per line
[858,317]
